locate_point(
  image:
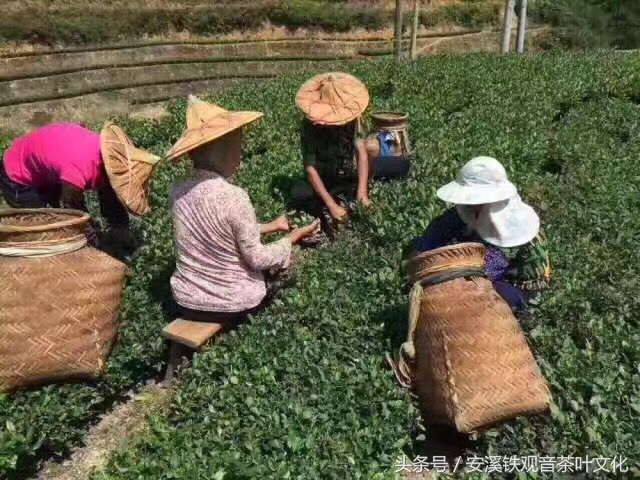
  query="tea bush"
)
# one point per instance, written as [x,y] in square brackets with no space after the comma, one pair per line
[470,14]
[302,390]
[591,23]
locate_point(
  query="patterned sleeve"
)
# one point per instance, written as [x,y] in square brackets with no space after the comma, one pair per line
[531,265]
[496,264]
[246,230]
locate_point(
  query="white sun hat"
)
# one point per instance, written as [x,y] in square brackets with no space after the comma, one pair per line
[509,223]
[480,180]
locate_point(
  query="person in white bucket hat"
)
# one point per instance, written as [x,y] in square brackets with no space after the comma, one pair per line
[488,209]
[480,181]
[507,223]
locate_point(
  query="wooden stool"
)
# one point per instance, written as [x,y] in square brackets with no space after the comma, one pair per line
[189,334]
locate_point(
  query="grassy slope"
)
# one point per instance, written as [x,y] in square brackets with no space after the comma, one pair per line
[80,23]
[303,391]
[90,22]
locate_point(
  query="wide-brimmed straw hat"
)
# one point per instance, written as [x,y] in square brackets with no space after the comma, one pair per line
[332,98]
[128,168]
[480,180]
[207,122]
[509,223]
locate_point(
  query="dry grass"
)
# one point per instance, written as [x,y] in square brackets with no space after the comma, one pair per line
[21,5]
[17,5]
[26,4]
[266,32]
[114,432]
[95,23]
[69,22]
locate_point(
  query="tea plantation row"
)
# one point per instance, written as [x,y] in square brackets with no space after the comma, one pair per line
[302,391]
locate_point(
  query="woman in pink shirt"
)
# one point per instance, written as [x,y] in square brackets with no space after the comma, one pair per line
[54,165]
[220,258]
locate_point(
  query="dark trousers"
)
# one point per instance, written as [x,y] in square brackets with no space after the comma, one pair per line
[229,320]
[25,196]
[516,298]
[390,167]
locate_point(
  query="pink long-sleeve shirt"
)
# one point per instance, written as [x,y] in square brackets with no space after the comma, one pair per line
[54,154]
[219,255]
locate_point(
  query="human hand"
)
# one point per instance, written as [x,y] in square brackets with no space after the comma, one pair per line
[281,224]
[338,213]
[298,234]
[364,200]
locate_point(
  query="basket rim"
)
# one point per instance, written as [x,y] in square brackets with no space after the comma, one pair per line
[453,246]
[397,116]
[80,218]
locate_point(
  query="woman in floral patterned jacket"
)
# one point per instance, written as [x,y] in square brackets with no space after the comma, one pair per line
[220,258]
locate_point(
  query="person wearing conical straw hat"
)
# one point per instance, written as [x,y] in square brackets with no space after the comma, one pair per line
[333,147]
[54,165]
[220,259]
[488,209]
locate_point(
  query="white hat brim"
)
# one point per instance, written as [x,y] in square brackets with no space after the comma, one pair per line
[456,193]
[510,226]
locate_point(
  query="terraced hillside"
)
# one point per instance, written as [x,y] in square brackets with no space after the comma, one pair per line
[92,83]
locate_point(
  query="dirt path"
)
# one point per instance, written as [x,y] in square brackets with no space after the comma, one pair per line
[113,432]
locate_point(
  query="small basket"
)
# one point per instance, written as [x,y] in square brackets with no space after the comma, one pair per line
[385,120]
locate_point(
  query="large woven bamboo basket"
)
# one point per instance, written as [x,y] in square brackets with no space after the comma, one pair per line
[473,366]
[59,299]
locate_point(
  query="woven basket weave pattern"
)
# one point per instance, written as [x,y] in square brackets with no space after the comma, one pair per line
[473,365]
[58,316]
[389,120]
[462,255]
[30,225]
[334,98]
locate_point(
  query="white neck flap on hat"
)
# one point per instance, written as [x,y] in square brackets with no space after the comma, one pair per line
[509,223]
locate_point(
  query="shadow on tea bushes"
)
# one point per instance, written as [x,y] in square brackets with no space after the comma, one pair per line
[302,390]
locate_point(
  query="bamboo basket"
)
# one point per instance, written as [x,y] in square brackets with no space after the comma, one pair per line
[473,366]
[394,122]
[59,298]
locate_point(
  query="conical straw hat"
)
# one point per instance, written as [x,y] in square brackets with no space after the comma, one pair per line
[128,168]
[332,98]
[207,122]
